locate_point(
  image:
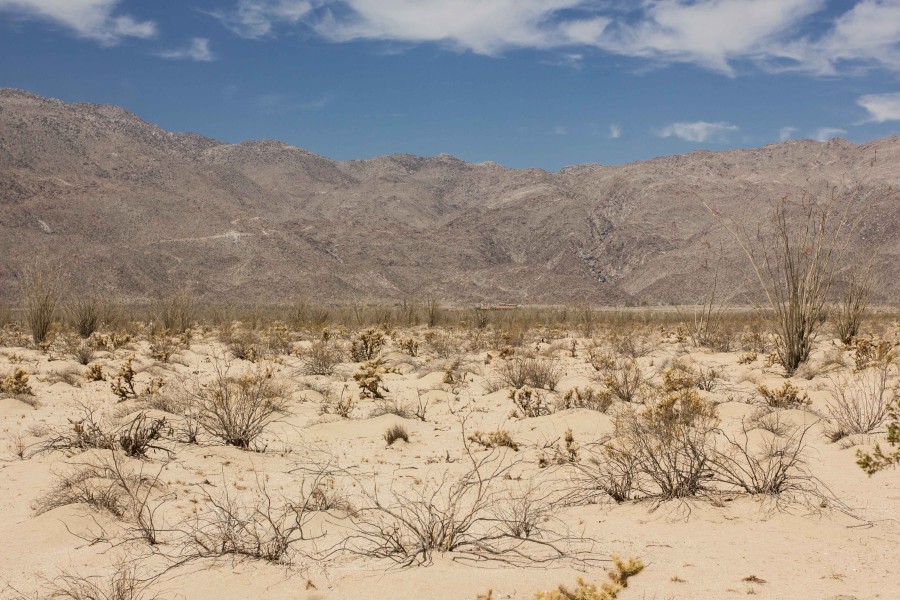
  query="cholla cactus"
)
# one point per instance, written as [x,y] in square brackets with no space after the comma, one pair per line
[16,383]
[369,378]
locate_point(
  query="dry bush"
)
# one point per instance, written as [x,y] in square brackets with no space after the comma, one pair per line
[125,583]
[394,433]
[68,375]
[494,439]
[369,378]
[608,470]
[85,315]
[787,396]
[322,358]
[853,305]
[765,464]
[530,403]
[176,312]
[141,434]
[257,527]
[237,410]
[246,345]
[588,398]
[165,347]
[623,376]
[478,515]
[795,264]
[16,383]
[367,345]
[341,406]
[859,403]
[669,441]
[879,459]
[609,590]
[41,290]
[391,407]
[872,353]
[94,373]
[84,352]
[409,346]
[520,371]
[443,345]
[87,485]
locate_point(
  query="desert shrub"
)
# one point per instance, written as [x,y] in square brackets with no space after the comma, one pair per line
[707,378]
[176,312]
[853,304]
[369,378]
[871,353]
[787,396]
[94,373]
[433,311]
[442,344]
[794,264]
[112,341]
[609,590]
[16,383]
[621,375]
[494,439]
[84,352]
[770,464]
[164,348]
[394,433]
[258,528]
[367,345]
[139,436]
[277,339]
[669,442]
[89,485]
[634,344]
[246,345]
[859,403]
[41,290]
[409,346]
[85,315]
[587,397]
[391,407]
[125,583]
[123,386]
[879,459]
[520,371]
[529,403]
[321,358]
[747,358]
[341,406]
[237,410]
[560,454]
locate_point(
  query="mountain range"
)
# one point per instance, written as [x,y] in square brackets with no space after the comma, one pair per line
[132,211]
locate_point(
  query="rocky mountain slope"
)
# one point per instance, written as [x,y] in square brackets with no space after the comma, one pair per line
[133,211]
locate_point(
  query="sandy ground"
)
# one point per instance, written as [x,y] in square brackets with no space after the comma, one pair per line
[838,542]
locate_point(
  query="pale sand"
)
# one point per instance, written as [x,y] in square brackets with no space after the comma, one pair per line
[712,545]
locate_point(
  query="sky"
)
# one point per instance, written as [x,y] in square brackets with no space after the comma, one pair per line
[525,83]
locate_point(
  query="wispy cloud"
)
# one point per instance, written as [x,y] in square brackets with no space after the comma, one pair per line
[560,130]
[716,34]
[97,20]
[699,131]
[615,131]
[823,134]
[198,51]
[257,18]
[881,107]
[786,133]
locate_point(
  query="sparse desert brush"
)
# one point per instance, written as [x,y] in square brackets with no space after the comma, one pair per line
[86,315]
[369,378]
[176,312]
[442,344]
[708,378]
[41,290]
[163,348]
[246,345]
[853,304]
[123,386]
[236,410]
[747,358]
[396,432]
[521,371]
[587,397]
[341,406]
[409,346]
[529,403]
[322,357]
[494,439]
[879,459]
[678,377]
[94,373]
[623,376]
[633,344]
[787,396]
[125,583]
[111,341]
[367,345]
[860,402]
[560,454]
[872,353]
[16,383]
[617,580]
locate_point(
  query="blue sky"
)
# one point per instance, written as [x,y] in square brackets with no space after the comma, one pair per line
[526,83]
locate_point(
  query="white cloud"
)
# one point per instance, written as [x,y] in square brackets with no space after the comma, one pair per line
[786,133]
[699,131]
[257,18]
[881,107]
[198,50]
[823,134]
[615,132]
[91,19]
[715,34]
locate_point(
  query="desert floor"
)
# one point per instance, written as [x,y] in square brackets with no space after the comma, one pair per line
[832,534]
